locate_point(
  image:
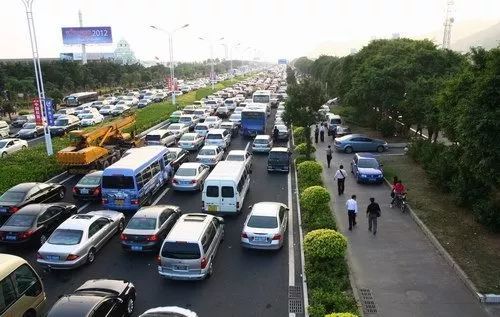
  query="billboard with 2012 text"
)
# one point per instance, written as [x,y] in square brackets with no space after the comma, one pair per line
[87,35]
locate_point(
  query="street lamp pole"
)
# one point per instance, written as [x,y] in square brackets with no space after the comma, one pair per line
[212,67]
[28,4]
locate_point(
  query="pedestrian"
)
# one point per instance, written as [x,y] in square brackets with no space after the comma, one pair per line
[329,155]
[316,134]
[340,175]
[352,210]
[322,133]
[276,133]
[334,132]
[373,212]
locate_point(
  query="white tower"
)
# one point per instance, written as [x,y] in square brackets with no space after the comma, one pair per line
[448,22]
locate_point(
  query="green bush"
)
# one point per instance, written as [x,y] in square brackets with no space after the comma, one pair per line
[309,174]
[386,127]
[341,315]
[487,212]
[298,135]
[324,245]
[302,158]
[23,112]
[320,217]
[328,276]
[331,302]
[302,149]
[314,196]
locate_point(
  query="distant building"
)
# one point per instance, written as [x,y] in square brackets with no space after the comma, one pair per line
[395,36]
[123,53]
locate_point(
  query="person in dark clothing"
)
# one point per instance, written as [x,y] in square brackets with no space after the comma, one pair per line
[316,134]
[329,155]
[373,212]
[275,134]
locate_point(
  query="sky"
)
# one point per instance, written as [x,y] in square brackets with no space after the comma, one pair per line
[270,29]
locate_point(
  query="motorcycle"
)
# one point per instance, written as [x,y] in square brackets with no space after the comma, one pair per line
[401,203]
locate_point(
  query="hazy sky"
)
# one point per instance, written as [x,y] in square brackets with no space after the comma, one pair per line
[276,28]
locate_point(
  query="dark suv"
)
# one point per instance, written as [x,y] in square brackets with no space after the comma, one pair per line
[278,160]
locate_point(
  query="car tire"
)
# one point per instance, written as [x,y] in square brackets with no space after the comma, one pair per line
[29,313]
[348,150]
[91,256]
[62,193]
[23,147]
[42,239]
[4,154]
[35,135]
[121,226]
[130,306]
[380,149]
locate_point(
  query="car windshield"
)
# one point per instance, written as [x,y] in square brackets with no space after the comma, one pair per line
[142,224]
[187,137]
[261,141]
[368,163]
[180,250]
[12,196]
[106,107]
[3,143]
[66,237]
[264,222]
[177,113]
[171,156]
[152,137]
[19,220]
[88,116]
[29,126]
[61,122]
[185,119]
[174,127]
[90,180]
[214,136]
[235,157]
[201,127]
[235,116]
[278,156]
[207,152]
[183,171]
[261,99]
[210,119]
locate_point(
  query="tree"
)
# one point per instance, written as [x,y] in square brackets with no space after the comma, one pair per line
[303,65]
[304,101]
[290,76]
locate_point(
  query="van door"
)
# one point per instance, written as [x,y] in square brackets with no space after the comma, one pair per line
[229,198]
[211,197]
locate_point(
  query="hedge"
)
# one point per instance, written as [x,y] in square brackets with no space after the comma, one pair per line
[319,218]
[314,196]
[309,174]
[302,148]
[325,245]
[341,315]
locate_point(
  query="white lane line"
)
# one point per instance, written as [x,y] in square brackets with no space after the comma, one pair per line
[66,179]
[161,196]
[83,207]
[291,251]
[246,147]
[57,176]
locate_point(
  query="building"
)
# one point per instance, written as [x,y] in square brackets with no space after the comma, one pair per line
[123,53]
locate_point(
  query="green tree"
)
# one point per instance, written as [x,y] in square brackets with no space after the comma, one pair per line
[290,76]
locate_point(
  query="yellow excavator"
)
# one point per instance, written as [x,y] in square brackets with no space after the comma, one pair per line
[99,148]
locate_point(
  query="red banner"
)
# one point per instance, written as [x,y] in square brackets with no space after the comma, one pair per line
[37,110]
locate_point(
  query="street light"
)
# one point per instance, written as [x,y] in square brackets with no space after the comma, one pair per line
[171,53]
[212,71]
[28,4]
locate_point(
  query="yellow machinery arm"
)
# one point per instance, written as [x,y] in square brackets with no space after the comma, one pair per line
[102,134]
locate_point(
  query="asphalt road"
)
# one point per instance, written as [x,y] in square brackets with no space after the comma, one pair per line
[245,282]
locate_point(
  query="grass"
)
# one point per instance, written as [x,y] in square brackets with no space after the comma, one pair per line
[474,248]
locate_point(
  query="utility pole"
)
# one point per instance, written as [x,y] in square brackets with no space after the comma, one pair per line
[84,50]
[448,22]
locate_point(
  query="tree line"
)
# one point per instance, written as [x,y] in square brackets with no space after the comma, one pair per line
[445,92]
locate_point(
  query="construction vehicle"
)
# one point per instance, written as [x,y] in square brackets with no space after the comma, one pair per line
[99,148]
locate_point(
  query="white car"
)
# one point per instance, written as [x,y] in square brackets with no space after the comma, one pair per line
[88,119]
[161,137]
[168,311]
[265,226]
[238,109]
[64,112]
[88,111]
[202,129]
[210,155]
[132,101]
[97,104]
[262,143]
[106,109]
[80,109]
[218,137]
[178,129]
[240,156]
[236,118]
[110,101]
[119,109]
[201,114]
[12,145]
[191,141]
[214,121]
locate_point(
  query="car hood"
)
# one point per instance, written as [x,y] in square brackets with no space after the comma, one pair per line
[107,213]
[369,171]
[115,285]
[8,203]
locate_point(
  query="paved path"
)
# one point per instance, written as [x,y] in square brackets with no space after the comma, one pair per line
[403,271]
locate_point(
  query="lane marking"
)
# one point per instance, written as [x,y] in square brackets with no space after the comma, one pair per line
[246,147]
[66,179]
[83,207]
[291,251]
[160,196]
[56,177]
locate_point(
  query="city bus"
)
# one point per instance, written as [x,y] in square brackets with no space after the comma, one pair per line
[253,121]
[132,181]
[79,98]
[262,96]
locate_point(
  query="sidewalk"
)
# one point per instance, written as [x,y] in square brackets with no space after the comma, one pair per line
[404,273]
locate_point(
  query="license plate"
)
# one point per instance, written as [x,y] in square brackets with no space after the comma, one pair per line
[3,209]
[212,208]
[136,248]
[180,267]
[11,238]
[84,191]
[259,239]
[52,257]
[119,202]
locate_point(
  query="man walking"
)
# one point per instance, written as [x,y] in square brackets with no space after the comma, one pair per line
[322,133]
[329,155]
[373,212]
[316,134]
[352,210]
[340,175]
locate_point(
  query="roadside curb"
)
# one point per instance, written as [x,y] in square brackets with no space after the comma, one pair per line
[397,145]
[482,298]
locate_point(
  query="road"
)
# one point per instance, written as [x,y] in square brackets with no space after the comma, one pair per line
[245,282]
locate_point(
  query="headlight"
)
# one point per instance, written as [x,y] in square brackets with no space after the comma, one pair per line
[364,175]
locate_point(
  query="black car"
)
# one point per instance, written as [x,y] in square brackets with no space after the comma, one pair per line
[97,298]
[89,187]
[29,193]
[176,157]
[34,223]
[278,160]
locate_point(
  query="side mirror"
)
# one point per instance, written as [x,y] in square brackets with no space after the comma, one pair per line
[119,300]
[381,165]
[221,220]
[250,207]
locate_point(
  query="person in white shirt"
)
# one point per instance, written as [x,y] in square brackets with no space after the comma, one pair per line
[322,133]
[352,210]
[340,176]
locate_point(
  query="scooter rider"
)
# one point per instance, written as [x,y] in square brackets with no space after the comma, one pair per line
[399,190]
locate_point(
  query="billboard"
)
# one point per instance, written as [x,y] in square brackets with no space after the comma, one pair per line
[87,35]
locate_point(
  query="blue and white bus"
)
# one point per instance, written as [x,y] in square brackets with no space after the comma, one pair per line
[253,121]
[262,96]
[132,181]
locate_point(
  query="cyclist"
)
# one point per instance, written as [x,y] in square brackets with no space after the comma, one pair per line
[399,190]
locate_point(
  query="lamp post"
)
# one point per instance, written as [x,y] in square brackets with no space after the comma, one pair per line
[171,53]
[212,72]
[28,4]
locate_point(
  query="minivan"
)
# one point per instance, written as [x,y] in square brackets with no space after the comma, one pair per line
[278,160]
[188,252]
[333,121]
[4,129]
[219,137]
[22,288]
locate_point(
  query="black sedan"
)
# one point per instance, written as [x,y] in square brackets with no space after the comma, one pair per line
[34,223]
[176,157]
[97,298]
[89,187]
[29,193]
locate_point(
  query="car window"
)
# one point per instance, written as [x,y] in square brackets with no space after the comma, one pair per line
[207,239]
[356,139]
[212,191]
[103,309]
[282,213]
[24,278]
[227,192]
[163,217]
[7,294]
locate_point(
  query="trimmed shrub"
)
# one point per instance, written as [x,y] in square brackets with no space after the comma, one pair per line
[314,196]
[309,174]
[331,302]
[324,245]
[319,218]
[298,135]
[327,276]
[302,158]
[341,315]
[23,112]
[302,148]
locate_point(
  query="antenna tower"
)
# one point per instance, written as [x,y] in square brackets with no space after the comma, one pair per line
[448,22]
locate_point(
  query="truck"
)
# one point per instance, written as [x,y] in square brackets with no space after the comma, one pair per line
[98,148]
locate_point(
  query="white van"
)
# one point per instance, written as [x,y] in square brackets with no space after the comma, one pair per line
[225,188]
[4,129]
[333,121]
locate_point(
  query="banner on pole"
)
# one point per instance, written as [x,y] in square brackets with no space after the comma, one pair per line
[87,35]
[37,110]
[49,111]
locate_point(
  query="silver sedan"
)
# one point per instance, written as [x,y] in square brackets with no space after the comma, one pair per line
[265,226]
[77,240]
[191,141]
[190,176]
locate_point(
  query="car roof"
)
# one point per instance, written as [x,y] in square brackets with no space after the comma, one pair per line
[174,149]
[189,227]
[262,136]
[190,165]
[8,263]
[94,173]
[279,149]
[23,187]
[216,131]
[266,209]
[237,152]
[149,212]
[11,139]
[210,147]
[75,305]
[158,132]
[79,222]
[33,209]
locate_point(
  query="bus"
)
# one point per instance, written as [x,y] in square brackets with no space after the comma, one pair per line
[79,98]
[262,96]
[253,121]
[132,181]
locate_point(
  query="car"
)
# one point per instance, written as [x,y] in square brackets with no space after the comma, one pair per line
[176,156]
[191,141]
[64,124]
[202,128]
[89,119]
[161,137]
[240,156]
[148,227]
[34,223]
[64,112]
[11,146]
[106,109]
[367,169]
[97,298]
[174,117]
[262,143]
[159,97]
[265,226]
[201,114]
[4,129]
[190,120]
[30,130]
[218,137]
[230,127]
[190,176]
[210,155]
[342,130]
[214,121]
[89,187]
[236,118]
[168,311]
[222,112]
[230,103]
[131,101]
[332,121]
[80,109]
[143,103]
[97,104]
[179,129]
[283,133]
[77,240]
[29,193]
[359,142]
[110,101]
[278,160]
[120,109]
[189,109]
[238,109]
[86,111]
[19,121]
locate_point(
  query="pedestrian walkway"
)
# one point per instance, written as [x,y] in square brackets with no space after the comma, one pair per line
[404,273]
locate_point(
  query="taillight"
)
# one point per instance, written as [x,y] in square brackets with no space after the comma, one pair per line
[26,234]
[158,260]
[13,209]
[237,205]
[74,190]
[277,237]
[72,257]
[244,235]
[154,237]
[123,237]
[203,263]
[193,181]
[134,201]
